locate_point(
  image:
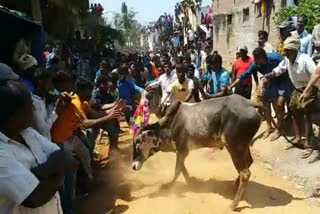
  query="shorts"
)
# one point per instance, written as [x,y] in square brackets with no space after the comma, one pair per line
[308,104]
[270,93]
[285,85]
[244,91]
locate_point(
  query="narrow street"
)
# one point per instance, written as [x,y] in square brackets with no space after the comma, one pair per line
[83,82]
[140,192]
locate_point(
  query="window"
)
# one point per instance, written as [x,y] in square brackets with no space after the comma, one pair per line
[245,12]
[229,19]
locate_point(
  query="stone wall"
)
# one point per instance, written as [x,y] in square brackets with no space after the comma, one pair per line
[235,24]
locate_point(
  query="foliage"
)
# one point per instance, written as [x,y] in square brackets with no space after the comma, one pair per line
[129,27]
[308,8]
[107,35]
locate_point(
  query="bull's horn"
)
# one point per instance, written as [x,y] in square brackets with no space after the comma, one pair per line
[163,121]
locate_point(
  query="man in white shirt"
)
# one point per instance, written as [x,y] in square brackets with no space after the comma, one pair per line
[191,35]
[263,37]
[32,168]
[17,181]
[305,37]
[41,120]
[164,81]
[300,68]
[203,68]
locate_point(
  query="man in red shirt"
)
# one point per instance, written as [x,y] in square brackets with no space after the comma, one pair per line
[240,66]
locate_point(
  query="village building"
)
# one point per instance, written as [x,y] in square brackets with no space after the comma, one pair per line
[236,22]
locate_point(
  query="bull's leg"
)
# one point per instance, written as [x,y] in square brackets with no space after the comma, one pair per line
[181,156]
[237,182]
[244,179]
[242,160]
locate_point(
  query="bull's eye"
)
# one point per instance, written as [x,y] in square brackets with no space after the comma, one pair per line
[155,150]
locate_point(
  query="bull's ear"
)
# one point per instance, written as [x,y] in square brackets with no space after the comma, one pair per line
[155,126]
[150,133]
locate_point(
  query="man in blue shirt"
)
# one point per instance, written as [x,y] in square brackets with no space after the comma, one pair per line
[304,36]
[103,70]
[264,63]
[127,90]
[57,51]
[217,77]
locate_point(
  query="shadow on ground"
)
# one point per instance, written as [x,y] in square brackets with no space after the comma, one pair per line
[110,183]
[257,195]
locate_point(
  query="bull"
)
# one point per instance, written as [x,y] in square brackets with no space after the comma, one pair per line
[229,122]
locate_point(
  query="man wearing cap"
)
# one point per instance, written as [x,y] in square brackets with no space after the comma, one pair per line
[300,68]
[240,66]
[285,29]
[6,73]
[26,68]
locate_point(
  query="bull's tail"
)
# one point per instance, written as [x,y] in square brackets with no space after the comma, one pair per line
[258,106]
[273,122]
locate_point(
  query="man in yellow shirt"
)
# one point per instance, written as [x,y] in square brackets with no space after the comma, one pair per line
[182,88]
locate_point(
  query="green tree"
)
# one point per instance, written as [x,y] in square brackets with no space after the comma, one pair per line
[125,22]
[308,8]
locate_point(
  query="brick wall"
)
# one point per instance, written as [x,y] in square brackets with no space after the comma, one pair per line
[233,28]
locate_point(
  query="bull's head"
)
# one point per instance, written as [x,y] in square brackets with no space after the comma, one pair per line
[145,144]
[153,138]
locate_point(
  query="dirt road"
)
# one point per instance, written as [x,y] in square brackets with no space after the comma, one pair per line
[142,193]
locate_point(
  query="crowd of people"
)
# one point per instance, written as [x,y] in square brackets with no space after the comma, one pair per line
[52,117]
[96,8]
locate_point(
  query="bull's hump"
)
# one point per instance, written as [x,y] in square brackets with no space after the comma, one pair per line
[189,104]
[198,126]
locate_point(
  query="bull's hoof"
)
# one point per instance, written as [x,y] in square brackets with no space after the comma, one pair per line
[192,181]
[233,206]
[166,186]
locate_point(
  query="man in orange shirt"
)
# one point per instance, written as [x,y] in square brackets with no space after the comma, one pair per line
[77,114]
[73,117]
